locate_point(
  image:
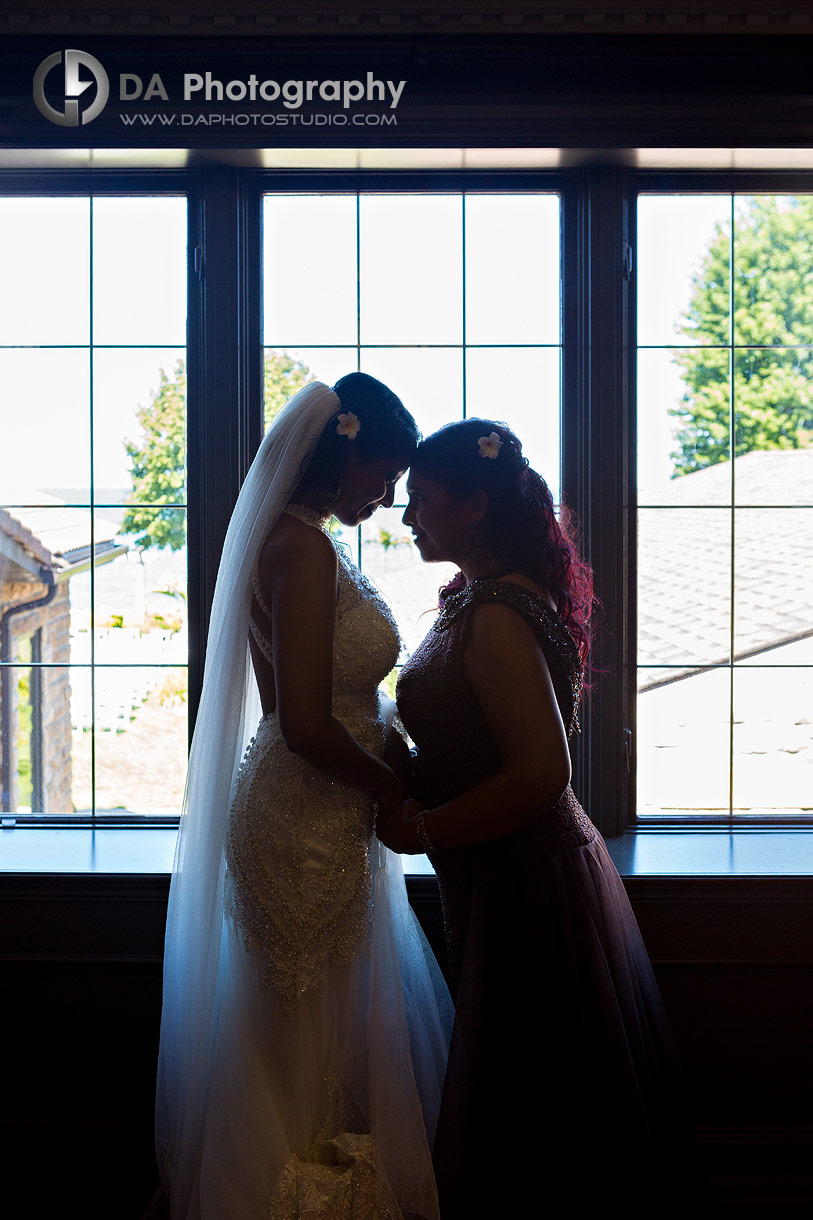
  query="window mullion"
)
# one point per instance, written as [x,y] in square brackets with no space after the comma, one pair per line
[597,440]
[225,380]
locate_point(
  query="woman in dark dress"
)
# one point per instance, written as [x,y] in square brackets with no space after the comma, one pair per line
[560,1093]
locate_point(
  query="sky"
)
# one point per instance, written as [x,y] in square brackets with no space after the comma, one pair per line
[132,309]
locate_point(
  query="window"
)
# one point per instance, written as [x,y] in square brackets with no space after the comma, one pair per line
[509,295]
[451,298]
[93,506]
[725,493]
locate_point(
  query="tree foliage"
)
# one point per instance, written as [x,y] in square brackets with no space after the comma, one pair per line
[158,458]
[772,402]
[158,467]
[284,377]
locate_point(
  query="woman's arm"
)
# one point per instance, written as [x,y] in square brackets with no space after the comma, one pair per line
[298,574]
[512,683]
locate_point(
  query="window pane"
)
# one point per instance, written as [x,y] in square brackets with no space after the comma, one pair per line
[411,251]
[45,423]
[141,739]
[684,269]
[512,269]
[140,595]
[49,706]
[773,735]
[45,285]
[429,381]
[521,387]
[390,560]
[678,430]
[773,287]
[139,270]
[684,586]
[44,560]
[702,419]
[139,426]
[773,591]
[775,475]
[683,742]
[773,415]
[310,269]
[288,369]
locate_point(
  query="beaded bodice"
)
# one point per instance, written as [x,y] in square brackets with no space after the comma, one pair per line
[455,749]
[298,873]
[365,637]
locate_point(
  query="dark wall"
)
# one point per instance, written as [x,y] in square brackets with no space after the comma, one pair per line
[563,91]
[81,967]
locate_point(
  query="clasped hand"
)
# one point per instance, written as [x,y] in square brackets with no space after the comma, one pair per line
[396,826]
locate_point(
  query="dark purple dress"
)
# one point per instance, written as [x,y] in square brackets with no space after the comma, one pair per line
[560,1093]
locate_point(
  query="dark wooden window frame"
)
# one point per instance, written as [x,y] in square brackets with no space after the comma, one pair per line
[225,383]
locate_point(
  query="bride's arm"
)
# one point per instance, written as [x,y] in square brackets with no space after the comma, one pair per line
[298,569]
[512,683]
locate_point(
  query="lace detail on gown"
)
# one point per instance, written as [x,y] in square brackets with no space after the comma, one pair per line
[263,642]
[298,884]
[337,1182]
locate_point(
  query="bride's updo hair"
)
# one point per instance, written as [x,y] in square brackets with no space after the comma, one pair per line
[520,526]
[387,430]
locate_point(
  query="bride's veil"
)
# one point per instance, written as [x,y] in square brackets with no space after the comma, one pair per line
[194,961]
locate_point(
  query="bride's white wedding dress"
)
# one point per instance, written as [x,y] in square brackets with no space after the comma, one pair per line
[325,1103]
[306,1023]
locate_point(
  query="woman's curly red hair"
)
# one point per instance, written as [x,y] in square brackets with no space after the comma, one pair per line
[520,528]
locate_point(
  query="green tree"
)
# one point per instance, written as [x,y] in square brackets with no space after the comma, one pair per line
[773,309]
[284,377]
[158,467]
[158,458]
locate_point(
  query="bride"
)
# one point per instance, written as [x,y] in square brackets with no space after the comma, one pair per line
[305,1022]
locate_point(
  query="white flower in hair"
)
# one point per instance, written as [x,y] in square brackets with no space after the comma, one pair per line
[489,446]
[349,425]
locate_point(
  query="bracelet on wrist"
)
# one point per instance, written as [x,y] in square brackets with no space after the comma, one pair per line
[420,830]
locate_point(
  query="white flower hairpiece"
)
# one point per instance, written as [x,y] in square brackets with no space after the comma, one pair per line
[349,425]
[489,446]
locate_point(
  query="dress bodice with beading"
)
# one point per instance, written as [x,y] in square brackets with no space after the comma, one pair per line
[298,875]
[456,750]
[436,702]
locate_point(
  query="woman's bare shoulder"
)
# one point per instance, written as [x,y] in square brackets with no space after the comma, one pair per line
[292,544]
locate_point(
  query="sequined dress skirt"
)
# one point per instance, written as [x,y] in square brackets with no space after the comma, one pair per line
[335,1021]
[563,1081]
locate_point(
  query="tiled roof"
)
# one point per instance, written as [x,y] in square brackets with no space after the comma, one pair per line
[54,534]
[685,557]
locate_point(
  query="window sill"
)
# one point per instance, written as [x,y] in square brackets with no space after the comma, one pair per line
[82,851]
[645,852]
[713,851]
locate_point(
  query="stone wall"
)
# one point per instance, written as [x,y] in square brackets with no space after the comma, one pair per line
[54,621]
